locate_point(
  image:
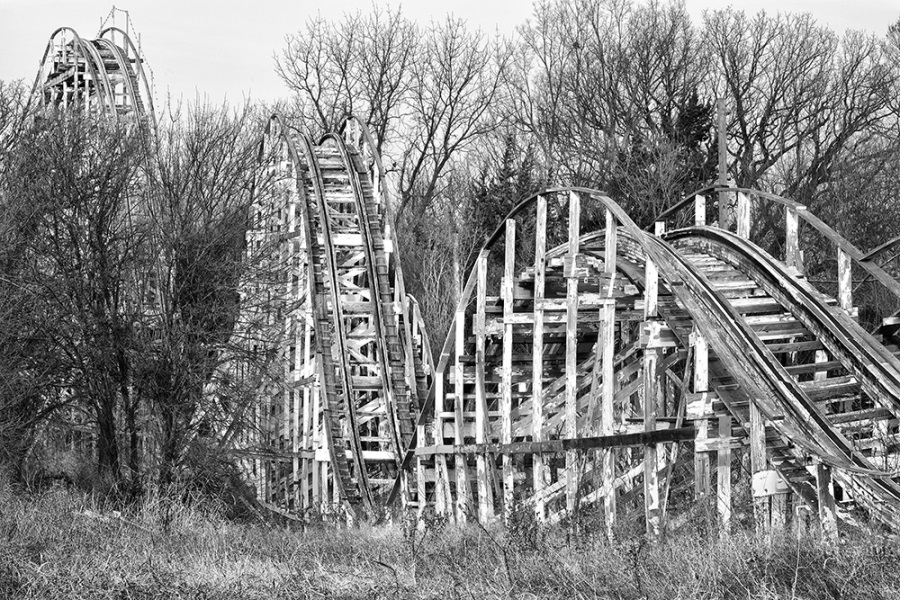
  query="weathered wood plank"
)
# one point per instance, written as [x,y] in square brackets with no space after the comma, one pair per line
[723,472]
[572,474]
[619,440]
[463,491]
[827,509]
[506,385]
[483,467]
[792,256]
[701,386]
[537,413]
[699,210]
[758,464]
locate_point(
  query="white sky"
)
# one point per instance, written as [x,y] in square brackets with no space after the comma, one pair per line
[225,48]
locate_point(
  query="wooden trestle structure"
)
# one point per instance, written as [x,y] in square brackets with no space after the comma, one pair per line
[589,365]
[357,363]
[105,74]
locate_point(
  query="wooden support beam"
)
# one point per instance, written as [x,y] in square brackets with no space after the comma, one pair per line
[651,383]
[821,357]
[723,492]
[779,507]
[421,482]
[651,473]
[317,440]
[617,440]
[571,407]
[441,483]
[701,386]
[699,210]
[792,256]
[537,385]
[758,465]
[607,343]
[845,280]
[508,285]
[827,510]
[463,491]
[484,464]
[723,162]
[743,215]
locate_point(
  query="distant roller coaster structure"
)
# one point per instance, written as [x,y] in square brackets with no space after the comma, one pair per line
[618,370]
[106,73]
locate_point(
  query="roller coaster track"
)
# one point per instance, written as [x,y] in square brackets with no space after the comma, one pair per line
[105,74]
[365,360]
[612,318]
[580,365]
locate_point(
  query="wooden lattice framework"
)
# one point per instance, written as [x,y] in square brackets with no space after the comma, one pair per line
[590,365]
[104,74]
[356,358]
[638,339]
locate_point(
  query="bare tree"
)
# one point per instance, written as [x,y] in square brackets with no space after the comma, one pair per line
[612,93]
[205,177]
[797,95]
[360,65]
[458,79]
[71,184]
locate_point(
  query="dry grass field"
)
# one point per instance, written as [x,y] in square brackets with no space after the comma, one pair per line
[64,544]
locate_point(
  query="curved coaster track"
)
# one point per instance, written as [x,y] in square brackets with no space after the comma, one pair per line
[357,359]
[636,342]
[106,73]
[590,365]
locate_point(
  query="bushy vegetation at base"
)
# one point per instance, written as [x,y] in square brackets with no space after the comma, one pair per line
[60,543]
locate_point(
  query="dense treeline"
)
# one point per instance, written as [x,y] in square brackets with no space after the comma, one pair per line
[133,313]
[123,264]
[617,95]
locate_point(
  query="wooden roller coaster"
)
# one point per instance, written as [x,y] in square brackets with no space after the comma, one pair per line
[106,73]
[590,365]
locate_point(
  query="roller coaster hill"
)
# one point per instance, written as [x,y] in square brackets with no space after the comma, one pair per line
[628,372]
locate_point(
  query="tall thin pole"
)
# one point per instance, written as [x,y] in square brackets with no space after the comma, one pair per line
[723,163]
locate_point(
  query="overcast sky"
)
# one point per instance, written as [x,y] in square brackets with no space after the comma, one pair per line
[225,48]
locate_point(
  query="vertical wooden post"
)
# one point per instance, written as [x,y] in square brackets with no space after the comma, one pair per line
[308,417]
[286,419]
[820,357]
[421,481]
[758,465]
[723,472]
[607,373]
[258,433]
[827,510]
[509,275]
[572,475]
[701,386]
[743,215]
[537,355]
[462,472]
[336,493]
[723,163]
[649,401]
[881,431]
[484,463]
[779,507]
[295,449]
[845,281]
[699,210]
[440,460]
[316,435]
[792,256]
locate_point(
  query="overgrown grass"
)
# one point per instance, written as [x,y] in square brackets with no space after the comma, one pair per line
[65,544]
